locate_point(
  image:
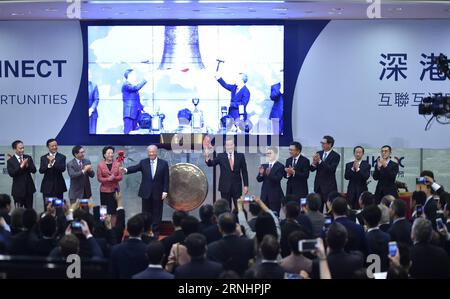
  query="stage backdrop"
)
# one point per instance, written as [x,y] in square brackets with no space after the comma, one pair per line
[360,81]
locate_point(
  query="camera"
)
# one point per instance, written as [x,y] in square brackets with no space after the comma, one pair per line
[248,198]
[421,181]
[303,201]
[419,210]
[437,105]
[76,226]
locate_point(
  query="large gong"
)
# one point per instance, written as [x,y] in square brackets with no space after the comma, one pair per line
[188,187]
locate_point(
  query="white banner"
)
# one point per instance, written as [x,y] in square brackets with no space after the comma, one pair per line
[40,74]
[362,80]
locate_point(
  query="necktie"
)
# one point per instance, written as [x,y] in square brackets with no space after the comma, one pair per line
[230,159]
[324,156]
[295,162]
[20,159]
[81,164]
[152,167]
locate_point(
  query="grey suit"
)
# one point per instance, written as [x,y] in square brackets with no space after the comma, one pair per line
[80,185]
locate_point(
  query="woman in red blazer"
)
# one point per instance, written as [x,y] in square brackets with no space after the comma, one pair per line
[109,176]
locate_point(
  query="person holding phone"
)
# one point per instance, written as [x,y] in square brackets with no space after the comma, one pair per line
[270,175]
[430,206]
[109,176]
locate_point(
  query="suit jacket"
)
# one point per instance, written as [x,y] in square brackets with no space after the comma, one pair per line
[152,186]
[131,99]
[233,252]
[430,210]
[356,235]
[357,181]
[298,184]
[278,102]
[79,181]
[378,243]
[342,265]
[400,231]
[230,181]
[212,233]
[271,188]
[325,180]
[429,261]
[386,180]
[23,183]
[128,258]
[53,182]
[266,271]
[103,173]
[93,98]
[199,268]
[242,97]
[176,237]
[153,273]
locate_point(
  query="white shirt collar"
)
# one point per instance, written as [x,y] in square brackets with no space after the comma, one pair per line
[269,261]
[426,201]
[372,228]
[328,152]
[17,157]
[155,266]
[298,157]
[398,219]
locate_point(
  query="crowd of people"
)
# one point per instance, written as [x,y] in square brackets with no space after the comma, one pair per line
[320,235]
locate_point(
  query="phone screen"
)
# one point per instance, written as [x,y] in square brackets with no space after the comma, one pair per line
[103,212]
[248,198]
[307,245]
[392,248]
[439,223]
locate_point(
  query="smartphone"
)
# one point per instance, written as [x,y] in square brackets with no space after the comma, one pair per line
[327,222]
[84,202]
[421,180]
[303,201]
[307,245]
[292,276]
[58,202]
[419,210]
[248,198]
[439,223]
[76,226]
[392,248]
[50,199]
[103,212]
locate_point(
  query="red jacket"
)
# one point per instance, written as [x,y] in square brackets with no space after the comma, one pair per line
[103,175]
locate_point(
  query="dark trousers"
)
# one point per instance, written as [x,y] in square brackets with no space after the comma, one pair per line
[231,198]
[324,196]
[24,202]
[153,206]
[129,124]
[273,204]
[92,125]
[45,196]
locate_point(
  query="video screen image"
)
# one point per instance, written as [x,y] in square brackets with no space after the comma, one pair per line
[186,79]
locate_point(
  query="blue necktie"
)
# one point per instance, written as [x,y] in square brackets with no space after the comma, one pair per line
[151,167]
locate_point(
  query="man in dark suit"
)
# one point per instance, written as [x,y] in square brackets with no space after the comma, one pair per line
[430,206]
[269,267]
[20,167]
[154,185]
[297,172]
[356,236]
[357,173]
[131,100]
[270,175]
[79,170]
[93,103]
[155,255]
[130,257]
[385,173]
[427,261]
[177,235]
[52,166]
[240,96]
[276,113]
[377,240]
[342,264]
[213,233]
[5,208]
[233,170]
[325,162]
[199,267]
[232,251]
[400,230]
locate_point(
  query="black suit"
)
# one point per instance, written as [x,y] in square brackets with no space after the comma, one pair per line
[199,268]
[357,181]
[356,236]
[297,185]
[342,265]
[400,231]
[151,189]
[53,183]
[429,261]
[212,233]
[23,185]
[430,210]
[266,271]
[271,191]
[232,252]
[378,243]
[325,180]
[386,180]
[176,237]
[153,273]
[230,181]
[128,258]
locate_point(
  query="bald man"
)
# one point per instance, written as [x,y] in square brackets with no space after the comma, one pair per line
[154,185]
